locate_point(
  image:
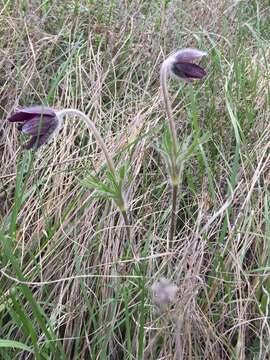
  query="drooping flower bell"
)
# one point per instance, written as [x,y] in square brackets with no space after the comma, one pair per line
[38,121]
[180,64]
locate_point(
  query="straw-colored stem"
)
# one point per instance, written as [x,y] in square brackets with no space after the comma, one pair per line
[94,130]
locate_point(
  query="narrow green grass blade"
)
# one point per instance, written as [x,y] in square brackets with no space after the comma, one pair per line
[14,345]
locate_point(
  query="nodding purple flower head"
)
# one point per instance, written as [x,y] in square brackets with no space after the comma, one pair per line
[180,64]
[38,121]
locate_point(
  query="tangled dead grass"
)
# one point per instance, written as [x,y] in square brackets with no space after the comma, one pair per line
[90,283]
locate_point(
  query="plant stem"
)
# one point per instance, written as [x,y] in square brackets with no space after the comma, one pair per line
[94,130]
[173,214]
[120,202]
[122,207]
[165,94]
[127,225]
[174,169]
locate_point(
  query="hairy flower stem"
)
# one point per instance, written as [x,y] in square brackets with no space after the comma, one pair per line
[174,173]
[173,214]
[120,201]
[94,130]
[127,225]
[165,94]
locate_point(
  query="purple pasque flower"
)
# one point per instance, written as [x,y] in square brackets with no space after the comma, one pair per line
[180,64]
[38,121]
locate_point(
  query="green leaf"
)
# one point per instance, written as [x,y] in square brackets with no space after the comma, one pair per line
[15,345]
[122,172]
[187,150]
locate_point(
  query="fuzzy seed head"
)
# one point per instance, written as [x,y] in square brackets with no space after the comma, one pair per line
[164,292]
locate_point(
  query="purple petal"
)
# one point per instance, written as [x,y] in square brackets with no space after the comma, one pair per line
[187,70]
[188,55]
[30,112]
[40,125]
[20,116]
[36,141]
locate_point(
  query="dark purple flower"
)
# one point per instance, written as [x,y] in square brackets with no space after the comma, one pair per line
[181,64]
[38,121]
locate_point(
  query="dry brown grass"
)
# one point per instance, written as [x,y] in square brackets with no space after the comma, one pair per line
[91,284]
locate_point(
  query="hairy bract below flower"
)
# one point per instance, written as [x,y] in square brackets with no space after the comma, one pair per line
[38,121]
[180,64]
[164,292]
